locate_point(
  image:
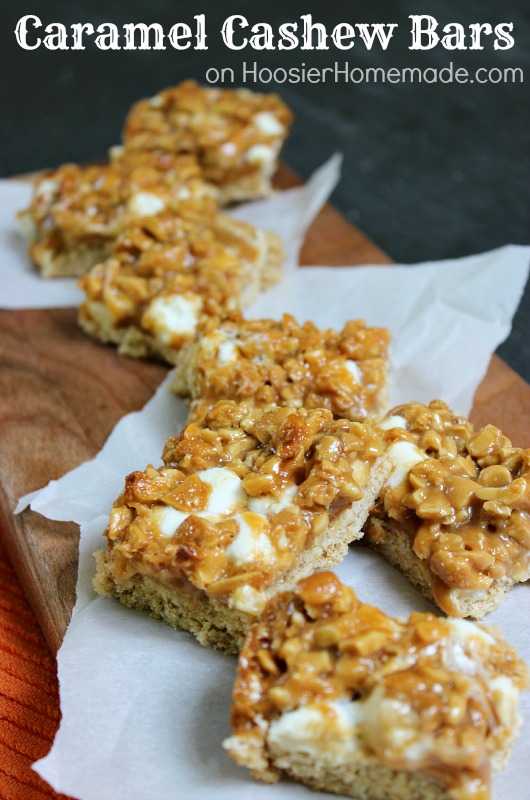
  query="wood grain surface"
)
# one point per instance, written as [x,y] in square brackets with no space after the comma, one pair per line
[61,394]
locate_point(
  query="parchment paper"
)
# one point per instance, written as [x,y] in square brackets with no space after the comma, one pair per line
[288,213]
[145,708]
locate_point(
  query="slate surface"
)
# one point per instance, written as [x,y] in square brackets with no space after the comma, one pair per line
[431,170]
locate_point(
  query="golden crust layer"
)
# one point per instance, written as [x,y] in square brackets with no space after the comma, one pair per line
[210,621]
[339,695]
[458,521]
[245,504]
[264,363]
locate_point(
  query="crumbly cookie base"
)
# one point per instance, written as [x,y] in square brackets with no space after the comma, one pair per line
[361,781]
[250,186]
[363,778]
[212,623]
[184,378]
[73,262]
[393,543]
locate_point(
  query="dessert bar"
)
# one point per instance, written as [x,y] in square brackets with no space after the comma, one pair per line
[455,517]
[77,212]
[167,272]
[334,693]
[265,363]
[244,505]
[236,135]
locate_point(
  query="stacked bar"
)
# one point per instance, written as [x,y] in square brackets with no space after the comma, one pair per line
[187,144]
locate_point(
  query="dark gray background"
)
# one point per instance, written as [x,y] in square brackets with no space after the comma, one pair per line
[431,171]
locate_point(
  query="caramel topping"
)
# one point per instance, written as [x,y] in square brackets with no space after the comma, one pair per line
[283,363]
[433,427]
[422,693]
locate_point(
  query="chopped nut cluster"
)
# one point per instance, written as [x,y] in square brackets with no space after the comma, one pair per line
[264,362]
[466,506]
[236,135]
[438,696]
[166,272]
[433,427]
[238,498]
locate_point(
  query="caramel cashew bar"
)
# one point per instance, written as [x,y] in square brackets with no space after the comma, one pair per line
[235,134]
[77,212]
[455,514]
[244,505]
[167,272]
[335,694]
[283,363]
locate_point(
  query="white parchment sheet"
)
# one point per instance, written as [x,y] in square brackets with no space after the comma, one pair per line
[288,213]
[145,708]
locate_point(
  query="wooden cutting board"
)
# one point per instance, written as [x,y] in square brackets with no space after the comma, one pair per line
[61,394]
